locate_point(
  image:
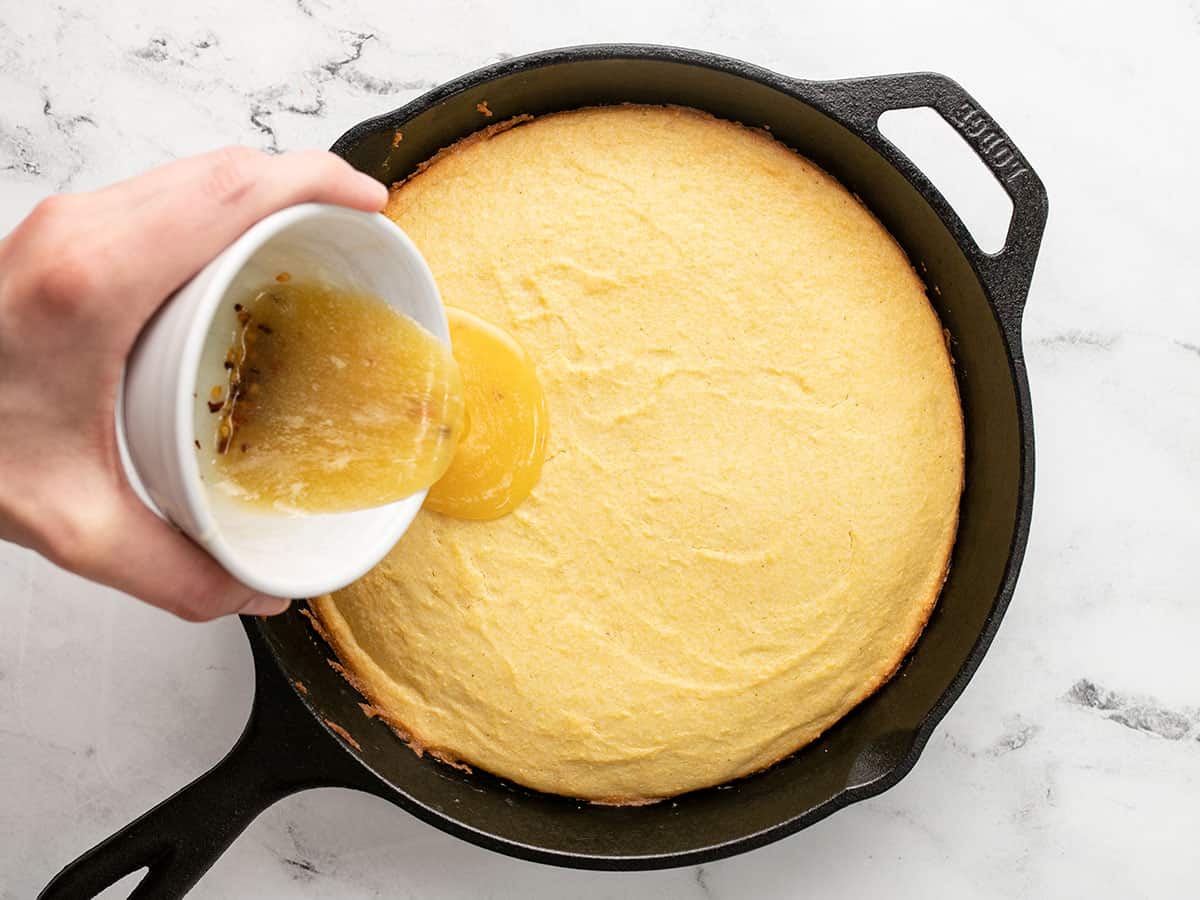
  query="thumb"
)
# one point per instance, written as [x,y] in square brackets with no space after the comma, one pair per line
[143,555]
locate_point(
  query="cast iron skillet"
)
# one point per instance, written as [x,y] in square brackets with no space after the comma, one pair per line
[315,735]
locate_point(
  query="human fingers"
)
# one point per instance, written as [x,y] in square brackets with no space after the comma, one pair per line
[142,555]
[192,171]
[187,212]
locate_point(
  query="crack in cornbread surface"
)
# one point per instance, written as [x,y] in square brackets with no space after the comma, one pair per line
[752,478]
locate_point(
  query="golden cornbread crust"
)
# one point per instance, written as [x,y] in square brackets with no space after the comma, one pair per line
[752,479]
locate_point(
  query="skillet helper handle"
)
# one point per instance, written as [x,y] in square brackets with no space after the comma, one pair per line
[1007,273]
[281,751]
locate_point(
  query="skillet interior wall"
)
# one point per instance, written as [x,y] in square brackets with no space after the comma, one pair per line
[870,742]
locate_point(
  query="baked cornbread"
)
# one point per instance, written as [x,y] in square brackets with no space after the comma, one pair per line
[752,478]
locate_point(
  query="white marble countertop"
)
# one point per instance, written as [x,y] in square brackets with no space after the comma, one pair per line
[1071,765]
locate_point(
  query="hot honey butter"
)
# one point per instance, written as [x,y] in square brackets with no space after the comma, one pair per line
[334,401]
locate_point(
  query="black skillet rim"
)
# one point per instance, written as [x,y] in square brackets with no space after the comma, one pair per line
[1008,321]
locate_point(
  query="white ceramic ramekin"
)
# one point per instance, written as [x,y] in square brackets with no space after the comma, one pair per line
[180,355]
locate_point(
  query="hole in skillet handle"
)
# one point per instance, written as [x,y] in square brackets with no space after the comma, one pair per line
[1006,274]
[123,889]
[945,157]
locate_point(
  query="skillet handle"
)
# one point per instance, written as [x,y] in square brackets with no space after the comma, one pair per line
[282,750]
[1007,273]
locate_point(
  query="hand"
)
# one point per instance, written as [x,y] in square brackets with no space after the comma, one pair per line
[78,280]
